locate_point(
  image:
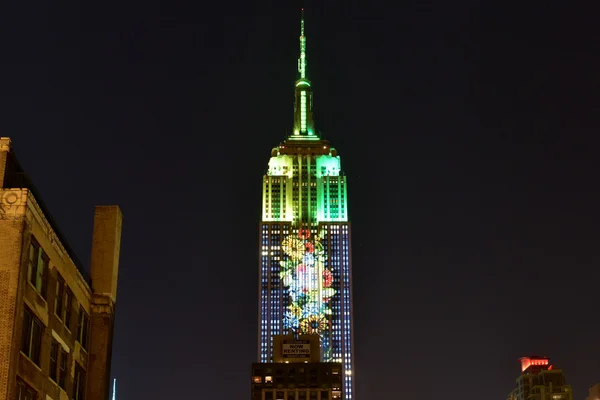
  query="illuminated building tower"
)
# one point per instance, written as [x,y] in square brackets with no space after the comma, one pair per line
[539,380]
[305,284]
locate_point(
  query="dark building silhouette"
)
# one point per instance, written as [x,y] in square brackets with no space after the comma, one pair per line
[296,381]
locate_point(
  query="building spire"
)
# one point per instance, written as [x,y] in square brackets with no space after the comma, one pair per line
[302,59]
[303,122]
[114,396]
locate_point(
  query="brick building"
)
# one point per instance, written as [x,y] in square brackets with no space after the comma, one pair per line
[56,321]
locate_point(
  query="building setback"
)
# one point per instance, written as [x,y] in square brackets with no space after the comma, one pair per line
[56,322]
[305,272]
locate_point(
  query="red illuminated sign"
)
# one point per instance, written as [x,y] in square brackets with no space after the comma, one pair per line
[526,362]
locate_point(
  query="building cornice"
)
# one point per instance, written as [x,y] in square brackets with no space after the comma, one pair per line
[20,204]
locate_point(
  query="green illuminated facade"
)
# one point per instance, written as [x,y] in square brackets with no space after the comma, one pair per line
[305,258]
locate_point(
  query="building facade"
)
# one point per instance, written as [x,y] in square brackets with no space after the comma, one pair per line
[540,380]
[305,268]
[56,322]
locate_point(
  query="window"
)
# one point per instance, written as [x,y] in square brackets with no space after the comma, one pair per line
[63,302]
[38,267]
[59,302]
[79,383]
[62,373]
[58,364]
[24,391]
[54,360]
[68,306]
[31,340]
[83,328]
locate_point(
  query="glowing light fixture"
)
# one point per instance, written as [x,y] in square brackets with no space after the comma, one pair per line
[303,111]
[526,362]
[302,59]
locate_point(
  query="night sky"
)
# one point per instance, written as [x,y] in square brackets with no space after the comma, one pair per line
[468,131]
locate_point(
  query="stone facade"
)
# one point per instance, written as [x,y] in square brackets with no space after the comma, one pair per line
[55,322]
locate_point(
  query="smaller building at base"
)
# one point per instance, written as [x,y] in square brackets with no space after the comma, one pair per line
[540,380]
[296,373]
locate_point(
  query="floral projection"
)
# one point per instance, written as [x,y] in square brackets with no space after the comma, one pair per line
[308,282]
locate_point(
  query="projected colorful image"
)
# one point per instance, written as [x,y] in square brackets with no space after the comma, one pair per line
[308,281]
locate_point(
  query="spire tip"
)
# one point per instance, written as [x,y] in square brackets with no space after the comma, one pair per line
[302,60]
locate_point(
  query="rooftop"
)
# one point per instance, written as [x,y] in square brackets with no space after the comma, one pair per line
[16,178]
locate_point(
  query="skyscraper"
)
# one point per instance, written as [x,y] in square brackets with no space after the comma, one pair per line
[540,380]
[305,275]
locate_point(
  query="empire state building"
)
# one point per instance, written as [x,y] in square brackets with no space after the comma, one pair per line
[305,276]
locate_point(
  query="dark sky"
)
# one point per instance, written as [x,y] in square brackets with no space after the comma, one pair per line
[468,131]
